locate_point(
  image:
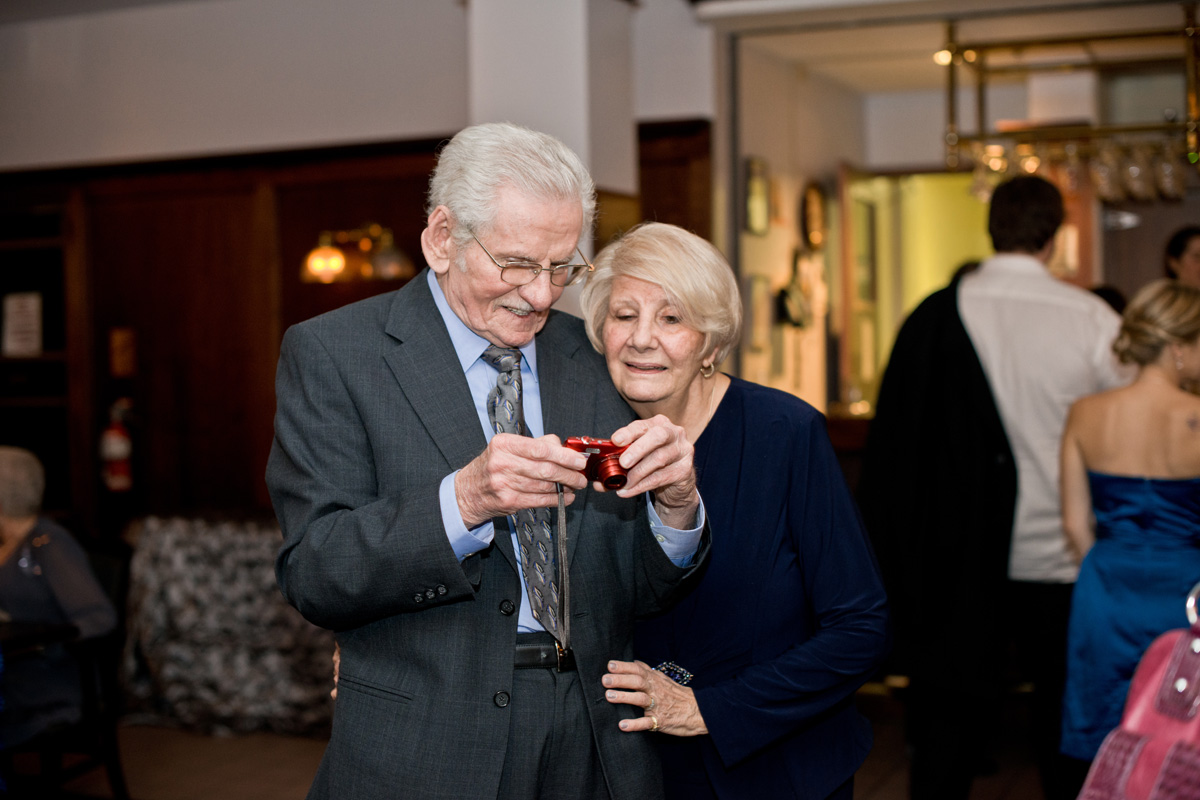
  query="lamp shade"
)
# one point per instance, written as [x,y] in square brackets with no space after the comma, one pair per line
[324,263]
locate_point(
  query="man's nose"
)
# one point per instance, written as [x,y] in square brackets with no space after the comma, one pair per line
[540,292]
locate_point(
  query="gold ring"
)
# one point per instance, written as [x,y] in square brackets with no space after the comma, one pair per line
[654,727]
[653,703]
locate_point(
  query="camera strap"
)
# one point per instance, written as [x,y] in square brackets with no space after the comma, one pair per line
[564,602]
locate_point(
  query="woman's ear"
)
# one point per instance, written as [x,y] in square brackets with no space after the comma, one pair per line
[436,242]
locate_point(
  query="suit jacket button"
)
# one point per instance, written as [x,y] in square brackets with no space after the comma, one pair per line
[418,598]
[501,699]
[429,593]
[507,607]
[441,589]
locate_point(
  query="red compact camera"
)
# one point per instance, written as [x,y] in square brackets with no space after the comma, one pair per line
[602,464]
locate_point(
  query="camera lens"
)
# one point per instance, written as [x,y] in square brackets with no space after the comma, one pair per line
[610,472]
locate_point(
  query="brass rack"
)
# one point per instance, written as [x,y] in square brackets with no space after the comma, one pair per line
[975,56]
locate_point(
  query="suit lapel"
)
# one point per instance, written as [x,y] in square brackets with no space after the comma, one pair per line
[568,406]
[426,368]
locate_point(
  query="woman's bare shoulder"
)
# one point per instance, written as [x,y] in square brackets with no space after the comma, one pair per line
[1093,407]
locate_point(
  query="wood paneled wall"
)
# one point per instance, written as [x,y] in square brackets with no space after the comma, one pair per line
[202,261]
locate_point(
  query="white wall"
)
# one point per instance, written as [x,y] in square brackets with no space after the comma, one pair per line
[904,130]
[222,76]
[673,62]
[804,126]
[213,77]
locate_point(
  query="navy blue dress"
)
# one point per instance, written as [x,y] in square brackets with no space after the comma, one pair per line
[787,621]
[1132,586]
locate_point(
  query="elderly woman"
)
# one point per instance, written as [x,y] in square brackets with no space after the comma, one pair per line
[757,667]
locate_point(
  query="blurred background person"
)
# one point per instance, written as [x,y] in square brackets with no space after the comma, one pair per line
[1181,258]
[1131,461]
[1111,295]
[959,492]
[45,577]
[789,618]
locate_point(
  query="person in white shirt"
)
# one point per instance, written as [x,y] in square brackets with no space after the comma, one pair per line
[1043,344]
[959,492]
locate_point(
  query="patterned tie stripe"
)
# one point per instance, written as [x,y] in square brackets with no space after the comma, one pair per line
[533,524]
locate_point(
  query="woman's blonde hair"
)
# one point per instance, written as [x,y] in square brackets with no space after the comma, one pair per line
[1163,312]
[693,274]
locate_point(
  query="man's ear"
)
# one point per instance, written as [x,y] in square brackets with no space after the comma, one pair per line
[436,242]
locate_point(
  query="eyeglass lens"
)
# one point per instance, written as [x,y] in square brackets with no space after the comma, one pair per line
[521,274]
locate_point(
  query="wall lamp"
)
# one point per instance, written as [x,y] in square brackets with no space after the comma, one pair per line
[361,254]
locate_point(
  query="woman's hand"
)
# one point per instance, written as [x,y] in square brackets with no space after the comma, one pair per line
[658,457]
[667,706]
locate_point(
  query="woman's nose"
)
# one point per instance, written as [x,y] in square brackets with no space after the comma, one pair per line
[642,335]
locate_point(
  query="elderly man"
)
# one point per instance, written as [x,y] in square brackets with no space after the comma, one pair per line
[418,450]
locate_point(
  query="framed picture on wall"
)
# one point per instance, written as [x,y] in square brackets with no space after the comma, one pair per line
[811,217]
[864,251]
[758,196]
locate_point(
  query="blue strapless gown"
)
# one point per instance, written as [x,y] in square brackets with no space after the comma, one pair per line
[1132,587]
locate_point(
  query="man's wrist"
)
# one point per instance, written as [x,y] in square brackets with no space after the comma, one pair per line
[678,516]
[471,515]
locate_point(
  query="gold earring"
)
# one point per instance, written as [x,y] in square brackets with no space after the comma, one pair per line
[707,370]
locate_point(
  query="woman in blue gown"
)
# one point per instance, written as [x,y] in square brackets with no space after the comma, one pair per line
[757,667]
[1131,463]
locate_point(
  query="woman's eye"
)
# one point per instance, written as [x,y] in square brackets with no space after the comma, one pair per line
[671,320]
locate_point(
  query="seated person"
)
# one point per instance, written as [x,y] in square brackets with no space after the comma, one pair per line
[45,577]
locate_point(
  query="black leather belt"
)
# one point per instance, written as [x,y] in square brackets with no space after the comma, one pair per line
[541,650]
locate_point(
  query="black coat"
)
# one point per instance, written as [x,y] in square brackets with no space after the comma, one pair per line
[938,492]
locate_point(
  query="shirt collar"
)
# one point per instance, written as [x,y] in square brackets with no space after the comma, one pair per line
[469,345]
[1016,262]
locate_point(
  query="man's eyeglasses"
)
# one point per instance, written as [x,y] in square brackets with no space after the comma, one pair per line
[517,272]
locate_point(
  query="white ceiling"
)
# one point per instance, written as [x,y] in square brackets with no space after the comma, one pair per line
[867,45]
[870,51]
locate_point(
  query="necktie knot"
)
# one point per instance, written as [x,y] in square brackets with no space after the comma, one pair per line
[505,359]
[504,401]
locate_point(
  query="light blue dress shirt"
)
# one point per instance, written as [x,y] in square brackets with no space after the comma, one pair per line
[678,545]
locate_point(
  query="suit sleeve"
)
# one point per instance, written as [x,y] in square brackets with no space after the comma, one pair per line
[842,593]
[349,556]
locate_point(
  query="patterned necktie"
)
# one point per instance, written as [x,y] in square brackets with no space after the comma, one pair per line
[532,524]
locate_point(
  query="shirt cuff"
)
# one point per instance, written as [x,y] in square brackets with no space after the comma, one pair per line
[465,542]
[679,546]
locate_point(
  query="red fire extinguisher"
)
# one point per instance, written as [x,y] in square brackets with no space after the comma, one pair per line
[116,449]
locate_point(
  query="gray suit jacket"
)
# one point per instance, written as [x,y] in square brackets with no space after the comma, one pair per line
[373,411]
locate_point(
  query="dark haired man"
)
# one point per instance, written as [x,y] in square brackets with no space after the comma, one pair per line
[961,495]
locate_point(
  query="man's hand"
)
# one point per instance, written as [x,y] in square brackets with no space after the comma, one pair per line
[516,472]
[658,458]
